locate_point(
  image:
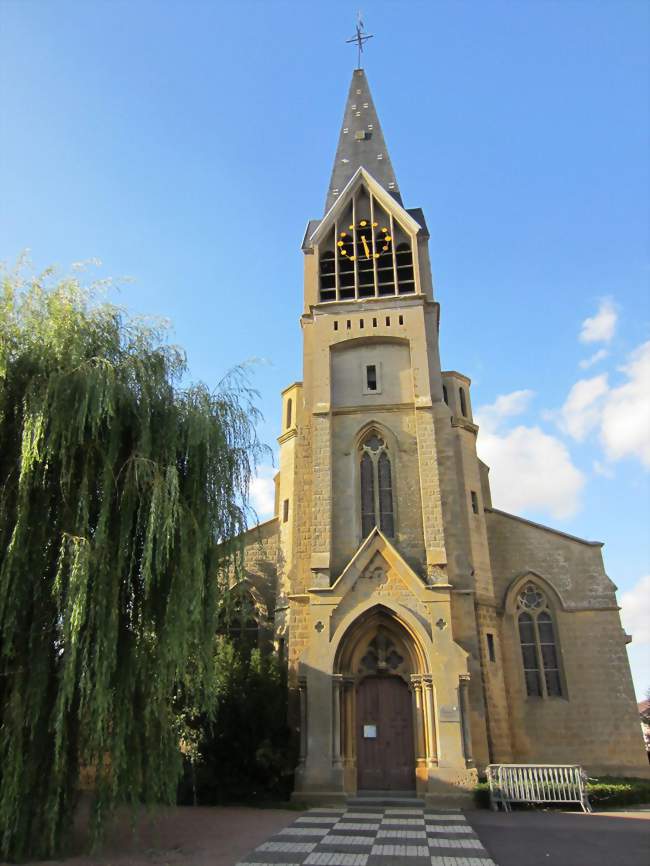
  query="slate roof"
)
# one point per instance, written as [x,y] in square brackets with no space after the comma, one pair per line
[361,143]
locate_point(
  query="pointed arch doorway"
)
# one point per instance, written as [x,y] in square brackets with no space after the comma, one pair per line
[378,664]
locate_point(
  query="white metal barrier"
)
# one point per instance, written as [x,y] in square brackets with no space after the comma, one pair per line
[537,783]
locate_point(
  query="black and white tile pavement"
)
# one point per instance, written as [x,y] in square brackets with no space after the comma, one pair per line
[367,836]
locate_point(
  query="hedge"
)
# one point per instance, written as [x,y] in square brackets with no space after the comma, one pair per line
[604,793]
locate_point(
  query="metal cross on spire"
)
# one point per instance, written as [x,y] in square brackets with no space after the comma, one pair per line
[360,38]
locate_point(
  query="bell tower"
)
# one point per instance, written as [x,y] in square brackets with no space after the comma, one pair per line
[378,485]
[427,633]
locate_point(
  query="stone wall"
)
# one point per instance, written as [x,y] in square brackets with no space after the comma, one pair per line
[260,570]
[398,427]
[595,722]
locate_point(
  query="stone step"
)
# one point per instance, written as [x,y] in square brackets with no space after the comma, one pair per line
[386,798]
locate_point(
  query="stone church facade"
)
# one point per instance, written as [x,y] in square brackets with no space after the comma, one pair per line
[427,633]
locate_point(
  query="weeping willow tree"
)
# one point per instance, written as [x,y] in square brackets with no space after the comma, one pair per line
[119,493]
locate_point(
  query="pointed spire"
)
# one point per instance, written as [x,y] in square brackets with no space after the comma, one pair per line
[361,143]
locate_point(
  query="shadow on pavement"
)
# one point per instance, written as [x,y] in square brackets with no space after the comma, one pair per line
[550,838]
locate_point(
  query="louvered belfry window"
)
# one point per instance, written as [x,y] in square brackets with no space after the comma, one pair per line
[538,644]
[376,487]
[366,253]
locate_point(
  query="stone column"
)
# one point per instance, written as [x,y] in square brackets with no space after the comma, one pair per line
[349,743]
[337,686]
[463,696]
[418,721]
[302,693]
[430,717]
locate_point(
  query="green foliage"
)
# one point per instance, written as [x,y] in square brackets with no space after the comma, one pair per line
[604,793]
[120,493]
[245,753]
[482,795]
[609,791]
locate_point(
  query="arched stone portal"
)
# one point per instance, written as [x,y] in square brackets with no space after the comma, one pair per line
[384,721]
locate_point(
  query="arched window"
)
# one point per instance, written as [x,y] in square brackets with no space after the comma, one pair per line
[538,644]
[463,402]
[239,618]
[376,486]
[445,396]
[289,408]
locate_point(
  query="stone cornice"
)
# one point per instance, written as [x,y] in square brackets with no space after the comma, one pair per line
[288,434]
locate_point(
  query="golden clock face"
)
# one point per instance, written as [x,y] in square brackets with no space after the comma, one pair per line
[372,240]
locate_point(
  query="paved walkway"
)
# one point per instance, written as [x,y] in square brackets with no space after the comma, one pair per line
[552,838]
[365,836]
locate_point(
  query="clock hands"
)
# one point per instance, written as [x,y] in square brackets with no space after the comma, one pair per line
[346,242]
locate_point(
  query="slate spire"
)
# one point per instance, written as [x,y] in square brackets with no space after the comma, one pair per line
[361,143]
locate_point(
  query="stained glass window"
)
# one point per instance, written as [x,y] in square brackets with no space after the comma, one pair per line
[376,486]
[538,646]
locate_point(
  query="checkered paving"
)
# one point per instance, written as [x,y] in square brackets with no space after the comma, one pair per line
[374,837]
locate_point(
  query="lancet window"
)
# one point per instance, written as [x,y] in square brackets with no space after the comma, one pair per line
[238,618]
[376,486]
[463,402]
[538,644]
[367,254]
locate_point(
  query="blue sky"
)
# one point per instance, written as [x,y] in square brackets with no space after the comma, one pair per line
[186,144]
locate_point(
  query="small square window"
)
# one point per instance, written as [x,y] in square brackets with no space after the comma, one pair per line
[285,510]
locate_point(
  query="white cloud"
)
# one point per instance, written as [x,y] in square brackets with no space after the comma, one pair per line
[529,470]
[635,610]
[262,492]
[600,355]
[621,415]
[582,409]
[505,406]
[600,328]
[625,426]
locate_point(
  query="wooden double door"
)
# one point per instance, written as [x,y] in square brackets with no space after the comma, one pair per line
[385,750]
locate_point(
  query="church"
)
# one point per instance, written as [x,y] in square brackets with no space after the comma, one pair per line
[427,633]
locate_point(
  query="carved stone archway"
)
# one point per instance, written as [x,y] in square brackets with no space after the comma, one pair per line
[378,645]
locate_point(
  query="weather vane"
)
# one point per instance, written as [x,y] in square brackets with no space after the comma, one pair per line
[360,38]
